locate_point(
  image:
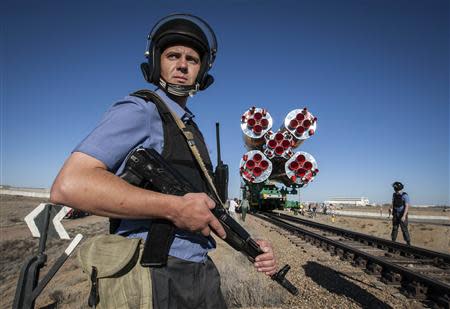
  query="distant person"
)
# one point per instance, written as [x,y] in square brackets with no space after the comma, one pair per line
[238,207]
[389,213]
[233,206]
[227,204]
[244,207]
[302,209]
[400,207]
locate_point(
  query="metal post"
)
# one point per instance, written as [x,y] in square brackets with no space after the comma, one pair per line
[29,276]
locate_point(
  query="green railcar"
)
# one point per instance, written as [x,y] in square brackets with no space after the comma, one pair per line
[265,196]
[292,205]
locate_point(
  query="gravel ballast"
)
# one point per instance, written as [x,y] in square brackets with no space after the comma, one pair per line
[324,281]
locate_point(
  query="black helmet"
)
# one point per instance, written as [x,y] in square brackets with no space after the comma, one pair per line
[180,29]
[397,186]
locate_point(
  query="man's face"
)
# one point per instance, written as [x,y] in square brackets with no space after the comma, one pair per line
[180,65]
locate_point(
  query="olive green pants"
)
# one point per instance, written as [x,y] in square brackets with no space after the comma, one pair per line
[397,221]
[244,213]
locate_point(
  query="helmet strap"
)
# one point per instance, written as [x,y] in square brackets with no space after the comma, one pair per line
[179,90]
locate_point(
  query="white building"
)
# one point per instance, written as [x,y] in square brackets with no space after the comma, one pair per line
[352,201]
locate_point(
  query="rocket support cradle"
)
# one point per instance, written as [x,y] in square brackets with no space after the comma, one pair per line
[270,155]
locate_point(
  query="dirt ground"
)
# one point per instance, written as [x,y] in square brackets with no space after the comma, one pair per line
[421,211]
[69,287]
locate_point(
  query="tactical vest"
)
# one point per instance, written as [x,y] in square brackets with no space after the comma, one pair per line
[178,154]
[176,150]
[397,201]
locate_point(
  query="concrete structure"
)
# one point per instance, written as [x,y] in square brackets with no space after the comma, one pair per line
[32,192]
[352,201]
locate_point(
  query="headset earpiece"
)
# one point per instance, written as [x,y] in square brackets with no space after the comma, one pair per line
[146,71]
[207,81]
[154,65]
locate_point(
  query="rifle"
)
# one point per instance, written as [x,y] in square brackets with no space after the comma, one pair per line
[147,169]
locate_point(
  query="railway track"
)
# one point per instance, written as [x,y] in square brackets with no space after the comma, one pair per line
[419,273]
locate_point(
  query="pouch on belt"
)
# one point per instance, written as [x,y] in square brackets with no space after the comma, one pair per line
[117,278]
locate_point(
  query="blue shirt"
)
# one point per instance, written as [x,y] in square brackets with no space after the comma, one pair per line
[128,124]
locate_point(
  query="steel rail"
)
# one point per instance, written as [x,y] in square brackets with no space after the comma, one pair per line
[442,259]
[437,291]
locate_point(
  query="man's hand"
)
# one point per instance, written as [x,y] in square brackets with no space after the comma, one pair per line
[266,262]
[403,218]
[193,214]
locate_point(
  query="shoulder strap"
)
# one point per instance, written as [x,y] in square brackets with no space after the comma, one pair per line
[191,143]
[151,96]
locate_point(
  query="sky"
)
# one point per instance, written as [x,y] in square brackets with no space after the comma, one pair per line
[374,73]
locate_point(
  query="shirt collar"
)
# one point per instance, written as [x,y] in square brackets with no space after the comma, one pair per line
[184,114]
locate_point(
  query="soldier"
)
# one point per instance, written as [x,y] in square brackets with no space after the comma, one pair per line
[245,206]
[400,208]
[181,50]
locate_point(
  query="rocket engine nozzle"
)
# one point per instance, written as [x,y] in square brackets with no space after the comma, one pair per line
[278,145]
[255,123]
[301,168]
[255,167]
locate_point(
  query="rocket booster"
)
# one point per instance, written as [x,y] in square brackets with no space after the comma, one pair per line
[301,124]
[255,167]
[301,168]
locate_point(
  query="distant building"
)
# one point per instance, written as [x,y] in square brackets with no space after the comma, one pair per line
[351,201]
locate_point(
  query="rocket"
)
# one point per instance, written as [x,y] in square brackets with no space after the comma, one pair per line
[271,155]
